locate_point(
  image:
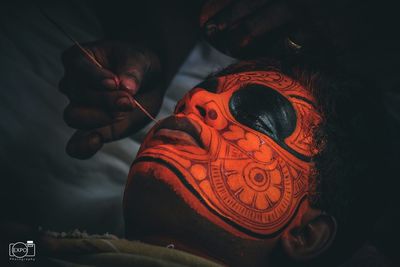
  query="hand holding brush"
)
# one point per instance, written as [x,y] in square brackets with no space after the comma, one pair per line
[113,89]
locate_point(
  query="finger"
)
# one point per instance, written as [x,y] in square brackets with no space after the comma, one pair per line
[86,118]
[135,65]
[130,81]
[74,83]
[211,8]
[269,23]
[83,145]
[81,69]
[232,14]
[123,125]
[130,74]
[269,19]
[119,100]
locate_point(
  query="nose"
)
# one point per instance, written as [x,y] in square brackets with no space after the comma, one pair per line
[204,104]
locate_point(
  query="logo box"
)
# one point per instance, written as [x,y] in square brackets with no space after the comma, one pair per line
[21,250]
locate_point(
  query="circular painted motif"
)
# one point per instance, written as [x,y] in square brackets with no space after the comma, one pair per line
[254,196]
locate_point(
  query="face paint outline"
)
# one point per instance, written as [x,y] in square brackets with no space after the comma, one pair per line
[293,160]
[298,101]
[291,93]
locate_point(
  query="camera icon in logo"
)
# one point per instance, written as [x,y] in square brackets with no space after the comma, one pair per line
[21,250]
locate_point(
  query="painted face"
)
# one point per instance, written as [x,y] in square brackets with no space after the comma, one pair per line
[239,147]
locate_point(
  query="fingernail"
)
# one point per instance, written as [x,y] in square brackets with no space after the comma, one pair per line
[123,103]
[94,139]
[130,85]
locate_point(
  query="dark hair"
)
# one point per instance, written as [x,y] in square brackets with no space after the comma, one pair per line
[352,166]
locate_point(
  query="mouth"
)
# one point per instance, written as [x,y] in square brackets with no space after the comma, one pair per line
[177,131]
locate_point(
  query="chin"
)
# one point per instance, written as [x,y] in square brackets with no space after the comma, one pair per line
[160,214]
[155,212]
[153,181]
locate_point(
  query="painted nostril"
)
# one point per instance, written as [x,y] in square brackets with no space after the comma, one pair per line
[201,110]
[212,114]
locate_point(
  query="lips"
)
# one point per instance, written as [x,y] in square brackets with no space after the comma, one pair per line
[176,131]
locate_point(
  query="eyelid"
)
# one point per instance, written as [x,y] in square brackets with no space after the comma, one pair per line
[262,124]
[259,104]
[268,127]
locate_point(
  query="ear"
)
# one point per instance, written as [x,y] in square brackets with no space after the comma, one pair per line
[310,239]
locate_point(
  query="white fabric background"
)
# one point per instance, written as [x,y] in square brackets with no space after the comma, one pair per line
[62,193]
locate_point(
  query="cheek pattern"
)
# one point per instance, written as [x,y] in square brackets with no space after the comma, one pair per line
[252,184]
[300,141]
[246,184]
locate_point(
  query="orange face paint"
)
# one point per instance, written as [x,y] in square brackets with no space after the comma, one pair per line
[248,181]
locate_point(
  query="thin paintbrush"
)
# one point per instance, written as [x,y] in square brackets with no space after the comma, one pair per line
[93,60]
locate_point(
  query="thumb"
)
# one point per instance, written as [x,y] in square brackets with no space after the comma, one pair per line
[130,77]
[129,82]
[84,144]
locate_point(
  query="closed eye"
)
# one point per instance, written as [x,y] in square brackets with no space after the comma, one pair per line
[261,123]
[263,109]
